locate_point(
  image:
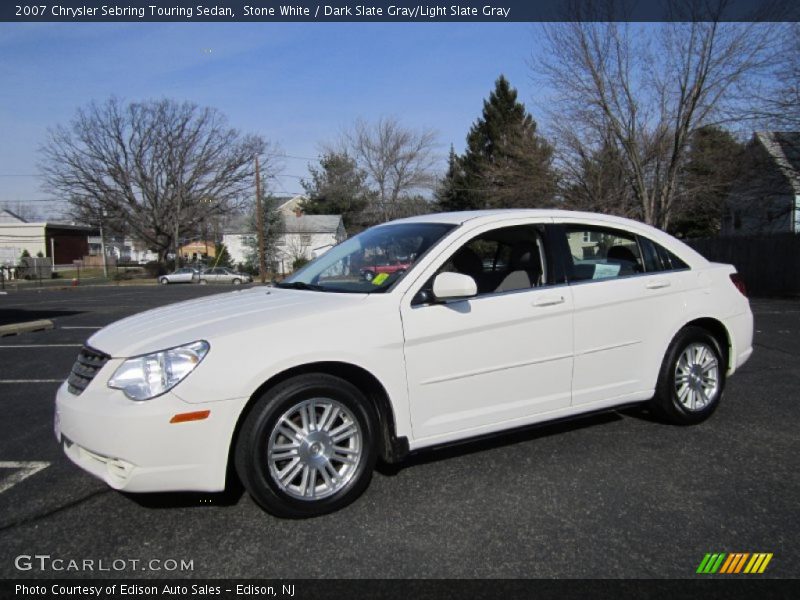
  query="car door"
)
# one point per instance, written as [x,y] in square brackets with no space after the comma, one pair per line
[624,312]
[499,358]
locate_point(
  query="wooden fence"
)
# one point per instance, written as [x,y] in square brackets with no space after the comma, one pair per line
[769,264]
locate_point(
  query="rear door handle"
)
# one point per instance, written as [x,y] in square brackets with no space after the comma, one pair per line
[548,300]
[658,284]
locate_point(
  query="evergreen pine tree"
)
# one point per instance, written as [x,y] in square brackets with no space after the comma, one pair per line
[713,163]
[449,193]
[337,187]
[506,163]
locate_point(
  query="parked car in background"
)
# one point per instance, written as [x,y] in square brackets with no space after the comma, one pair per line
[224,275]
[503,319]
[369,272]
[183,275]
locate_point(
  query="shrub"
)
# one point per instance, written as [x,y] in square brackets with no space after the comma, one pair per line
[155,269]
[299,263]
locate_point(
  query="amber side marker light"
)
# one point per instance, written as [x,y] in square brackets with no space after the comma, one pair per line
[198,415]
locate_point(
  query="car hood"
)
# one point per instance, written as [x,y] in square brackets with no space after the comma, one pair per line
[214,316]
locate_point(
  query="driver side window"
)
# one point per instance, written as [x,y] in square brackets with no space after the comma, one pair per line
[501,260]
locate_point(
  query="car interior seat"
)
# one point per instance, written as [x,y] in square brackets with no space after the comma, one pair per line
[525,268]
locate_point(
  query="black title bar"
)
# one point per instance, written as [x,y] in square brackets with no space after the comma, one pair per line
[397,11]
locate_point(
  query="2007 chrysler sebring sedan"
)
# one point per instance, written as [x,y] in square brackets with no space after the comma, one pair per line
[502,319]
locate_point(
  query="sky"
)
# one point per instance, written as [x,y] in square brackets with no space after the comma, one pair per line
[297,84]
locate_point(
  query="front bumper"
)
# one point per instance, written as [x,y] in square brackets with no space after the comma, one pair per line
[132,446]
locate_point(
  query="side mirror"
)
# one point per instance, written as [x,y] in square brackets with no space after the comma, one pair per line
[450,286]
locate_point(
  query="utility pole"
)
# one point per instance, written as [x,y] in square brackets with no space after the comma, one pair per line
[262,266]
[103,249]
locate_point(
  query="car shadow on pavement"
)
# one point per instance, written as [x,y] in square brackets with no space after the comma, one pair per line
[230,497]
[498,440]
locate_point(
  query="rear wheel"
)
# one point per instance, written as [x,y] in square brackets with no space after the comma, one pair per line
[307,446]
[203,282]
[692,378]
[163,281]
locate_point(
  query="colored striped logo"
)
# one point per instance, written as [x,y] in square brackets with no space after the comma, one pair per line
[736,562]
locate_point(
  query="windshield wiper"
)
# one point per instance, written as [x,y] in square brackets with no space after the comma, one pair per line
[299,285]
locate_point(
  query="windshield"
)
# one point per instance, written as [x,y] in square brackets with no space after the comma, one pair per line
[370,262]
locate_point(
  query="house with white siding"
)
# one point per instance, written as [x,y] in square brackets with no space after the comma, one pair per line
[303,236]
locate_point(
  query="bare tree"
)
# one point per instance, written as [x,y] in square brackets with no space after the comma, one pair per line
[398,162]
[152,168]
[780,98]
[649,93]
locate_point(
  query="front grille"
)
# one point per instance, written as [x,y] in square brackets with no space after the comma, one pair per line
[89,362]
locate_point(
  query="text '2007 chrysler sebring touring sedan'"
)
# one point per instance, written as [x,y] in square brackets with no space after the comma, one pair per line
[501,319]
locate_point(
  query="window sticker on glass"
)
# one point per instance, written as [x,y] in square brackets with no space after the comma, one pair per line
[601,270]
[380,278]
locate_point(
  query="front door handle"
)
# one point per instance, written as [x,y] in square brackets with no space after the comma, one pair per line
[658,284]
[548,300]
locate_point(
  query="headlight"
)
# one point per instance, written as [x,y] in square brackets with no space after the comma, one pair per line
[148,376]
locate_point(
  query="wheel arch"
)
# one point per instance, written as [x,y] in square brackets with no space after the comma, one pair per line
[391,448]
[719,332]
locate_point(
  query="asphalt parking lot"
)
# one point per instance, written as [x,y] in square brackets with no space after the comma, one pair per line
[614,495]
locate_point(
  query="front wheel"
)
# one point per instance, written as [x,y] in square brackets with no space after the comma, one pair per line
[307,446]
[692,378]
[237,282]
[203,282]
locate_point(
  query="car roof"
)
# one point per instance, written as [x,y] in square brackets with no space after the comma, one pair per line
[479,217]
[460,217]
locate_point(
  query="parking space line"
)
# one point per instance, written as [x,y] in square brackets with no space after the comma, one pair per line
[32,380]
[24,469]
[43,346]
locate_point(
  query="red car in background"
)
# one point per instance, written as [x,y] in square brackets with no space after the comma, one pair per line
[369,272]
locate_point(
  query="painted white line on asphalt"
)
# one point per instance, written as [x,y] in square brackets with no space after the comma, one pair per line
[43,346]
[23,471]
[31,380]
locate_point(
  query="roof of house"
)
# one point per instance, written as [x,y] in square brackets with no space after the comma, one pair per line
[784,148]
[312,223]
[291,224]
[6,216]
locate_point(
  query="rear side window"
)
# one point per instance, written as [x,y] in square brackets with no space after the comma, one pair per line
[601,253]
[658,258]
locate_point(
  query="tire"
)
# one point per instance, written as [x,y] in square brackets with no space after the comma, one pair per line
[236,282]
[369,275]
[203,282]
[163,281]
[692,378]
[289,466]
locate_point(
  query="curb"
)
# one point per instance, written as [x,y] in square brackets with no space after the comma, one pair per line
[17,328]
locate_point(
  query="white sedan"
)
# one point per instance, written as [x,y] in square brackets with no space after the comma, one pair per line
[503,319]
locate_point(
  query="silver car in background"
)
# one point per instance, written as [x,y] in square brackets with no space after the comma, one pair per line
[184,275]
[224,275]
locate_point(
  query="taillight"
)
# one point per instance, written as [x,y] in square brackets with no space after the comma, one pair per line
[739,283]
